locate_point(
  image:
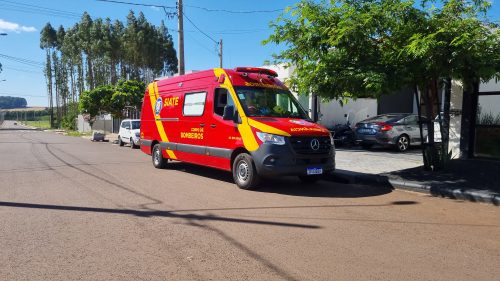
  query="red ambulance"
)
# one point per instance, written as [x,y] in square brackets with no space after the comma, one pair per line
[242,120]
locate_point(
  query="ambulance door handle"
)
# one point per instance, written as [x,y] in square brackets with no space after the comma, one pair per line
[213,125]
[202,125]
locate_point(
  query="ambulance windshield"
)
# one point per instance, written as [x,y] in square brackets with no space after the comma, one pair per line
[269,102]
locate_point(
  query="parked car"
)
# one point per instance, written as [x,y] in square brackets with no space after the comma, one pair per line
[130,133]
[398,130]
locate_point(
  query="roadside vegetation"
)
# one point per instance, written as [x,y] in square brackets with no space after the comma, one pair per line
[42,124]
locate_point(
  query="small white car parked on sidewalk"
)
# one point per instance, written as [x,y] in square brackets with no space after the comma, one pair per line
[130,132]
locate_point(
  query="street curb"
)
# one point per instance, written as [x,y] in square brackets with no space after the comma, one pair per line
[437,189]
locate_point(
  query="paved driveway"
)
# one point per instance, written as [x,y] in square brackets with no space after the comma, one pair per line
[377,160]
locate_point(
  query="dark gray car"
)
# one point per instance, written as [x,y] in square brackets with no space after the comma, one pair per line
[399,130]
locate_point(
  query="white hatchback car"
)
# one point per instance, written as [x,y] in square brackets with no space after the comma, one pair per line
[130,132]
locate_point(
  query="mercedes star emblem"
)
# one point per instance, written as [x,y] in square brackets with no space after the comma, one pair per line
[315,144]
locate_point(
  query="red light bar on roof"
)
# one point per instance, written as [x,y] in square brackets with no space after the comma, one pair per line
[257,70]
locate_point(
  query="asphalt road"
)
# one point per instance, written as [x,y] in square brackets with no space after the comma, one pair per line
[71,209]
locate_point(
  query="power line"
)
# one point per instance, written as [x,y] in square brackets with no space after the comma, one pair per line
[224,31]
[167,14]
[34,9]
[213,52]
[22,61]
[21,95]
[136,4]
[192,6]
[22,70]
[233,11]
[208,36]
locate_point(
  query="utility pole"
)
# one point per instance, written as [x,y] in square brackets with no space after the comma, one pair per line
[180,16]
[220,54]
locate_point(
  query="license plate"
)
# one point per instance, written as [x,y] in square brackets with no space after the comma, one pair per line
[314,171]
[365,131]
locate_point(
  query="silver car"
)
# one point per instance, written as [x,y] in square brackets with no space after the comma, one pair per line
[398,130]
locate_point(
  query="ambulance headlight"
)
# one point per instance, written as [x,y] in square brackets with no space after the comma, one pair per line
[138,134]
[270,138]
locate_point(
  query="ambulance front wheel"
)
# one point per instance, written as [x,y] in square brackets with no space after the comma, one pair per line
[244,172]
[158,160]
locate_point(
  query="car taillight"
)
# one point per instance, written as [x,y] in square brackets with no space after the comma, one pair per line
[384,127]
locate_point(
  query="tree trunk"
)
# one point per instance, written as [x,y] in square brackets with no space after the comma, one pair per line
[431,101]
[48,74]
[90,73]
[469,115]
[420,125]
[445,128]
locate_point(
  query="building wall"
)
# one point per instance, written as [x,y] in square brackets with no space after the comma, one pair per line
[331,112]
[455,118]
[456,110]
[82,125]
[399,102]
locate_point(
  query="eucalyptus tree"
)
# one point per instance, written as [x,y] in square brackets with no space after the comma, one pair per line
[97,52]
[86,43]
[48,41]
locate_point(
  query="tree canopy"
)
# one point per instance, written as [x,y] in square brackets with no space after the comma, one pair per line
[112,99]
[358,48]
[344,48]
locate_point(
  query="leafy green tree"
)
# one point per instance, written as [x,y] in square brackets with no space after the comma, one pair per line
[69,120]
[128,94]
[112,99]
[457,43]
[348,48]
[96,101]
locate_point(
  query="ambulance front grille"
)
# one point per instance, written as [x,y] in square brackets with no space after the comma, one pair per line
[302,145]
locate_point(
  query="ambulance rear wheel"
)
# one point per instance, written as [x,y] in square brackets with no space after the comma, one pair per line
[158,160]
[120,142]
[244,172]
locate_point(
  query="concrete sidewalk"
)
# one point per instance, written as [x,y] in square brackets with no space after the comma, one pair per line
[472,180]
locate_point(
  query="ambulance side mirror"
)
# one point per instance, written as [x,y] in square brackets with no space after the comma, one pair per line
[228,112]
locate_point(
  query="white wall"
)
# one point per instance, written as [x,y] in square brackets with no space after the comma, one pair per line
[490,86]
[332,112]
[455,118]
[83,125]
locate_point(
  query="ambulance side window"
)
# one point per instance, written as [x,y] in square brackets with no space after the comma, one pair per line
[194,104]
[221,99]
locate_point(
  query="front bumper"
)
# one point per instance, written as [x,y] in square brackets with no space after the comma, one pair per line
[282,160]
